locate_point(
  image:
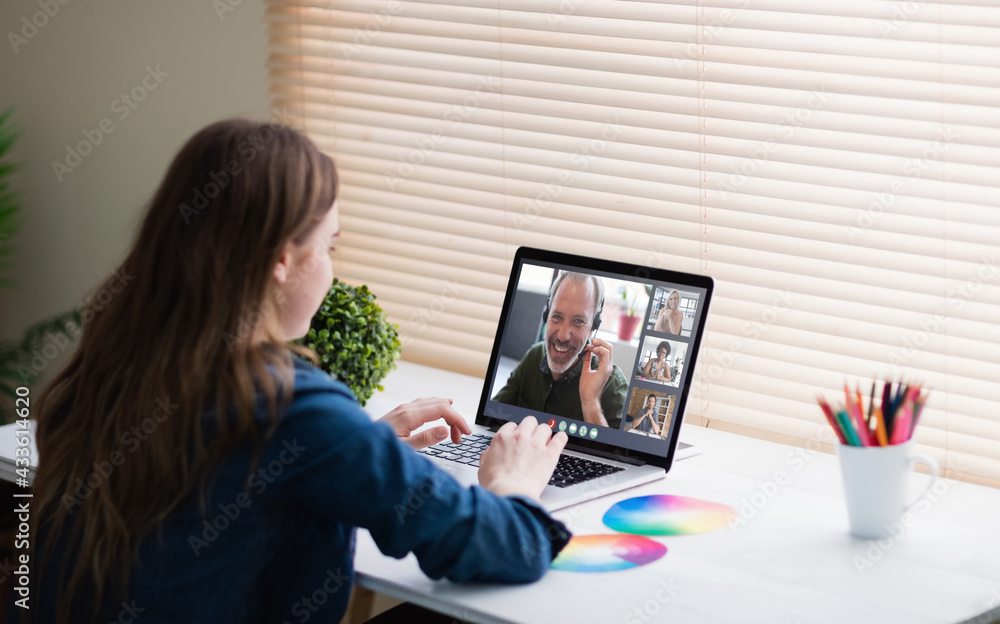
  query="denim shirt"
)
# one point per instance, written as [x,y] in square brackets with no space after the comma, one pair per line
[278,547]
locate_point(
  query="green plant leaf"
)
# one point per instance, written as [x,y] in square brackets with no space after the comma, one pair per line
[356,343]
[15,357]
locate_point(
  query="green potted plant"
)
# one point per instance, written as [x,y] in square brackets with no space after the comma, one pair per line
[353,338]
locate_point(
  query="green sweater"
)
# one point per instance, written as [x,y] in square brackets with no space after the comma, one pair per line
[531,386]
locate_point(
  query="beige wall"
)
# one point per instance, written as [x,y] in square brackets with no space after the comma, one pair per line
[66,79]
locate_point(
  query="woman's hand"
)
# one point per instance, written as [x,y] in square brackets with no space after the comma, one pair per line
[661,321]
[521,458]
[676,319]
[410,416]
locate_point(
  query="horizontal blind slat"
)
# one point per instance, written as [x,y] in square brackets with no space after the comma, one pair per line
[834,168]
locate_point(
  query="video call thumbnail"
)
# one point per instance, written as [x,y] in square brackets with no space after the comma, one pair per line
[673,312]
[661,360]
[649,413]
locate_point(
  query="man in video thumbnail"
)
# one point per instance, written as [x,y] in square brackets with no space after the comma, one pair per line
[556,375]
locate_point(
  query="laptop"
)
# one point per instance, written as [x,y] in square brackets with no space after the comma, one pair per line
[553,333]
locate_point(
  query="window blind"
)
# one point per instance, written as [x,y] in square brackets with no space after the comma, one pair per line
[835,166]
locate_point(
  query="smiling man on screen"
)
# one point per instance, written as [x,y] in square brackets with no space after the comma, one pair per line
[557,375]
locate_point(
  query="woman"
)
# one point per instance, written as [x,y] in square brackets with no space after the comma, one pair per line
[659,369]
[670,317]
[646,420]
[192,467]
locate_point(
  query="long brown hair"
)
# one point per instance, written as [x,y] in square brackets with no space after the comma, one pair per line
[186,328]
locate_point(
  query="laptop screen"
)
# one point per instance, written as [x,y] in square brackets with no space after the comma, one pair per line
[601,350]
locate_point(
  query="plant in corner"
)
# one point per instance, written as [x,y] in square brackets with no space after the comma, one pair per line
[354,340]
[19,358]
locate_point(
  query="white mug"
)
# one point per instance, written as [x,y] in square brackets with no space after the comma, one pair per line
[875,484]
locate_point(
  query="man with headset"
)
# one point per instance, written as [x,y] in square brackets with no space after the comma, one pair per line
[557,375]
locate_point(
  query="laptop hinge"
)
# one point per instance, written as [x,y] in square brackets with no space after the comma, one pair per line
[634,461]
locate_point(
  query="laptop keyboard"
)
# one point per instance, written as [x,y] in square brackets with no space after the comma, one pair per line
[467,452]
[569,471]
[572,470]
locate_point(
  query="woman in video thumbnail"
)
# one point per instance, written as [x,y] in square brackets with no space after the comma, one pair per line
[670,317]
[658,369]
[646,420]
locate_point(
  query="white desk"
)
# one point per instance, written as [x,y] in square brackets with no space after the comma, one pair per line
[8,455]
[792,562]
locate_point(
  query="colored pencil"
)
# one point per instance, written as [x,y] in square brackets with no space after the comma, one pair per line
[871,403]
[854,411]
[886,406]
[902,423]
[852,439]
[897,401]
[881,435]
[921,401]
[832,420]
[892,422]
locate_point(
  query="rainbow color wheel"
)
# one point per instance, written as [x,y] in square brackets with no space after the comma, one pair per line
[607,553]
[665,514]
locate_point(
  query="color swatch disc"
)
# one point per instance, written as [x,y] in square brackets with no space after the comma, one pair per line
[607,553]
[664,514]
